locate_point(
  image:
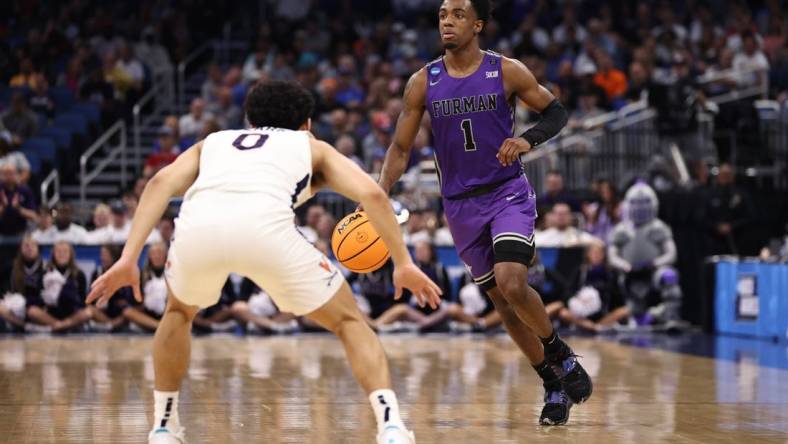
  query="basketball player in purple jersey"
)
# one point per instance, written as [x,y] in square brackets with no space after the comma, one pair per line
[490,206]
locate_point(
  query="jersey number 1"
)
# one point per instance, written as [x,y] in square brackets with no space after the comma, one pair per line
[467,132]
[239,141]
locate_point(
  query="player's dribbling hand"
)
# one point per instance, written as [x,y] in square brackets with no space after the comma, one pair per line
[511,149]
[124,273]
[409,276]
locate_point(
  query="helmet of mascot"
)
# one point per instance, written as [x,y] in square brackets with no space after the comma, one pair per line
[641,204]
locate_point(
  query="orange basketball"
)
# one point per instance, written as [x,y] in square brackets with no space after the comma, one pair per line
[357,245]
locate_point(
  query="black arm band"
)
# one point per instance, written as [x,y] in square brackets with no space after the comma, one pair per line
[552,120]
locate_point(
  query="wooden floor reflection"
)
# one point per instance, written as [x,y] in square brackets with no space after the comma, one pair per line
[453,390]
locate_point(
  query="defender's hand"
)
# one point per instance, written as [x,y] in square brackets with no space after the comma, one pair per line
[511,149]
[409,276]
[123,274]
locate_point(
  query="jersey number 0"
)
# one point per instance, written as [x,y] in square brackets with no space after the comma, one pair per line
[239,141]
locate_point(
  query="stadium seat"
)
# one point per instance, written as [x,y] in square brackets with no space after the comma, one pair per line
[75,123]
[34,160]
[60,136]
[43,146]
[62,96]
[90,110]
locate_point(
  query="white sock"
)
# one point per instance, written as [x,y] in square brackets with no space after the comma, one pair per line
[384,403]
[165,411]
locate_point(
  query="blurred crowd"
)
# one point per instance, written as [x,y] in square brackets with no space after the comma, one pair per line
[596,56]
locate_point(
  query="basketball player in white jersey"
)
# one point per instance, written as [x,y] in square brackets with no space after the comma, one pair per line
[239,191]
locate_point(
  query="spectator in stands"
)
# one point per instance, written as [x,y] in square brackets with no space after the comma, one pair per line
[258,63]
[165,229]
[13,157]
[594,307]
[109,317]
[145,318]
[17,204]
[639,82]
[258,313]
[60,306]
[120,225]
[45,227]
[346,145]
[73,77]
[101,225]
[191,125]
[218,317]
[132,68]
[131,200]
[65,230]
[19,119]
[750,62]
[642,249]
[777,249]
[609,78]
[211,126]
[25,77]
[562,233]
[214,82]
[587,108]
[605,212]
[416,228]
[40,100]
[26,281]
[412,316]
[473,310]
[168,152]
[313,216]
[153,54]
[228,114]
[443,237]
[98,90]
[729,212]
[555,192]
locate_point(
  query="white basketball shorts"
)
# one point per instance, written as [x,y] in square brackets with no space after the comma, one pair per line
[215,237]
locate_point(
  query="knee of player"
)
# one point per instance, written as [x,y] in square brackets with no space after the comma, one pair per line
[513,288]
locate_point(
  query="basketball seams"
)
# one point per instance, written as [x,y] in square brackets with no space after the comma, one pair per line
[363,250]
[374,266]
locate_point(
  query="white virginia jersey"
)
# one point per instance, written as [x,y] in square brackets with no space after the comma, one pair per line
[272,163]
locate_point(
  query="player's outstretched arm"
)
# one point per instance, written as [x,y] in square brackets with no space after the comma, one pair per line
[339,173]
[521,82]
[408,124]
[171,181]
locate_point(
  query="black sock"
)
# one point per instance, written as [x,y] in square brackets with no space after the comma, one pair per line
[549,377]
[552,344]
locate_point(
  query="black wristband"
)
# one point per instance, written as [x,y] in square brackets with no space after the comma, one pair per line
[552,121]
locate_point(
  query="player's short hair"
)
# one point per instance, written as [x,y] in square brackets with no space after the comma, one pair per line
[278,104]
[483,9]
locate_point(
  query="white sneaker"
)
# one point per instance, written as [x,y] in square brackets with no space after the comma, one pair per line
[166,436]
[396,435]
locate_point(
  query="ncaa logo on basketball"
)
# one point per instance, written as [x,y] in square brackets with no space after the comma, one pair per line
[348,222]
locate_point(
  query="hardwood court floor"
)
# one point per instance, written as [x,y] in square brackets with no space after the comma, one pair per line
[452,389]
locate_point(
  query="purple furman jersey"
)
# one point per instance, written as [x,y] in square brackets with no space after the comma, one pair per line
[471,117]
[491,209]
